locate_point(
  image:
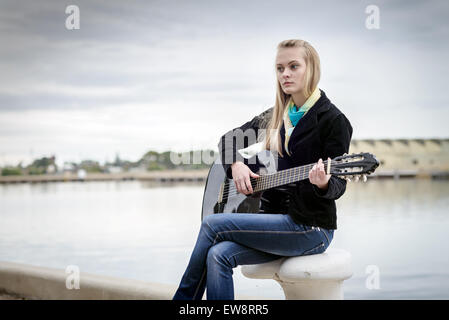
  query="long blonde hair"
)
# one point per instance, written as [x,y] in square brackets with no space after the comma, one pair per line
[272,138]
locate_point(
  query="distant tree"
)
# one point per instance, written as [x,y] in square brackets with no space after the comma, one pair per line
[11,171]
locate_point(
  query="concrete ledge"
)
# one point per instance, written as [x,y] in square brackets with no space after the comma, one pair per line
[42,283]
[34,282]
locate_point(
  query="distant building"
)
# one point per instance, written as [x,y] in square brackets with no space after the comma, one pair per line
[407,155]
[114,169]
[68,167]
[51,169]
[81,174]
[141,168]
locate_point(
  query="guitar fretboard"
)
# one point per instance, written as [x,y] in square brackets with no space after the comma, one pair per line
[283,177]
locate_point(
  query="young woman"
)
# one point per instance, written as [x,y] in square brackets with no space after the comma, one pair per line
[303,127]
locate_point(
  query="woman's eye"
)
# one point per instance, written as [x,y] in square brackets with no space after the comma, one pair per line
[279,69]
[295,66]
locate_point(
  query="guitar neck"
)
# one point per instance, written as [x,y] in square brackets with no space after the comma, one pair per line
[284,177]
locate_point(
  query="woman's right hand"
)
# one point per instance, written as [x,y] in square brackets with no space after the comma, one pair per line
[241,174]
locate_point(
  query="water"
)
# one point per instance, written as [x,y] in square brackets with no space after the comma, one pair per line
[146,231]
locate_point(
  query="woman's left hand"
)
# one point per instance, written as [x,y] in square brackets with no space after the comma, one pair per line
[318,176]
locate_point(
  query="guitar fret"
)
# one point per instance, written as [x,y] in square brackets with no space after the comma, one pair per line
[270,183]
[296,175]
[278,179]
[291,178]
[295,178]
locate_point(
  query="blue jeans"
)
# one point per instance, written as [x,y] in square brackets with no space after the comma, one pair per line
[227,240]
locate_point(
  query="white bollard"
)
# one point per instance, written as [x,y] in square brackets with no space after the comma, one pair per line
[312,277]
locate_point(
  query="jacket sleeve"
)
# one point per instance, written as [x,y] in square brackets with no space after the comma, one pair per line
[240,138]
[336,144]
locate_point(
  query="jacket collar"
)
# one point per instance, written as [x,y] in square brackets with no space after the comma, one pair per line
[308,121]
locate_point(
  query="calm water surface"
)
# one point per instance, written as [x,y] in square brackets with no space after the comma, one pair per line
[144,231]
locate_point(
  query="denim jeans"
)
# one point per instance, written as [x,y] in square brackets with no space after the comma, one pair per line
[227,240]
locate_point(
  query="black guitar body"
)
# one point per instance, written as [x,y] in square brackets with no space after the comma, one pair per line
[237,203]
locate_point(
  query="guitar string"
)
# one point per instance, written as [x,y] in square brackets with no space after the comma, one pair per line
[271,179]
[295,172]
[301,172]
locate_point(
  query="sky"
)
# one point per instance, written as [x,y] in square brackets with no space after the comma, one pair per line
[177,75]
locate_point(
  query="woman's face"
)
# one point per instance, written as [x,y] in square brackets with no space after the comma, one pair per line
[290,69]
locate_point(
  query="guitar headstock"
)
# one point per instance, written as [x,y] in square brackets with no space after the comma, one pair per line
[357,165]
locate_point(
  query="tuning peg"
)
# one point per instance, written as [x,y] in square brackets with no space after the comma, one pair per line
[357,178]
[365,178]
[348,179]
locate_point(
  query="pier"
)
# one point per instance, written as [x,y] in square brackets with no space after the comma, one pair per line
[154,176]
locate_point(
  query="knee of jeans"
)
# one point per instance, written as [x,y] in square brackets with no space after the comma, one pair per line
[211,220]
[217,254]
[206,221]
[214,255]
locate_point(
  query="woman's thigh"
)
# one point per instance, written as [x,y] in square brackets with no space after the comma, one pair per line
[276,234]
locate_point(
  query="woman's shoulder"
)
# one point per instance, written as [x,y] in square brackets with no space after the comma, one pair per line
[331,111]
[333,117]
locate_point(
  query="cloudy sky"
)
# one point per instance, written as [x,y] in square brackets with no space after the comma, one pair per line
[176,75]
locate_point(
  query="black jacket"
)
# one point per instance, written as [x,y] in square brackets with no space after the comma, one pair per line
[324,131]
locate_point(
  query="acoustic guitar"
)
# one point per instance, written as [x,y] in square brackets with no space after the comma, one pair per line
[220,193]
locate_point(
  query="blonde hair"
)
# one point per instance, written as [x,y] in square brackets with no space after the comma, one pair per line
[272,138]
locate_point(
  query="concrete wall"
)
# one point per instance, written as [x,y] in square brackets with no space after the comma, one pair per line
[34,282]
[49,283]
